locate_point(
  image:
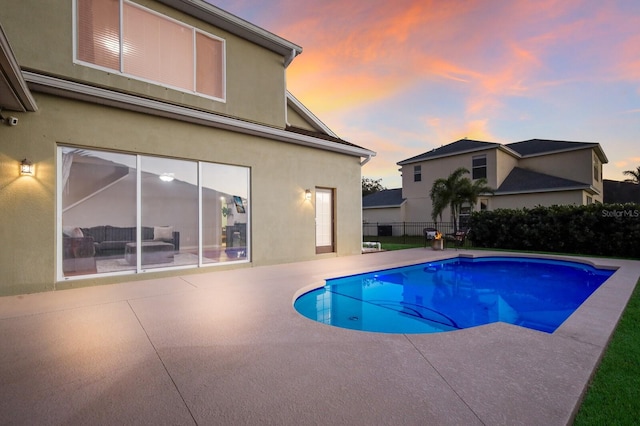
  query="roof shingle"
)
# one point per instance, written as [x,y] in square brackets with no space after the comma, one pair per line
[384,198]
[523,180]
[457,147]
[543,146]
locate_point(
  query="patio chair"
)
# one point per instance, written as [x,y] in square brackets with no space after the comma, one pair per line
[458,238]
[429,234]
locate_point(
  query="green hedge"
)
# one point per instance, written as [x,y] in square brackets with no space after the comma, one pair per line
[596,229]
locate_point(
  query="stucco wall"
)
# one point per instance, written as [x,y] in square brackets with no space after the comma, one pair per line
[282,221]
[255,77]
[419,205]
[296,120]
[382,215]
[537,199]
[504,165]
[574,165]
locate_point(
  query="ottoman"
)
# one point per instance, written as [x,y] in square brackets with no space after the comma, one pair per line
[152,252]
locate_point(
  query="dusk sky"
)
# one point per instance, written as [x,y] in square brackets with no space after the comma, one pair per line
[405,76]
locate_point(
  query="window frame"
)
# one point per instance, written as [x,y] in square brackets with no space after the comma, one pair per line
[477,169]
[417,173]
[138,158]
[121,72]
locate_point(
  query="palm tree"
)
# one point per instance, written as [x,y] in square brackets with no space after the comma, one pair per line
[443,192]
[455,191]
[471,191]
[634,175]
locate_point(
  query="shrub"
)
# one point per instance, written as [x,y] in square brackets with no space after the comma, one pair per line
[595,229]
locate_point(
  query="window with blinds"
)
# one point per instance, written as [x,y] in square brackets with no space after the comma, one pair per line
[127,38]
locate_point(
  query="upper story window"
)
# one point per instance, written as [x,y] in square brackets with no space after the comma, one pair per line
[596,169]
[121,36]
[417,173]
[479,167]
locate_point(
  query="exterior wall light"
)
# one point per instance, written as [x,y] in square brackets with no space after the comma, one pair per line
[307,194]
[26,168]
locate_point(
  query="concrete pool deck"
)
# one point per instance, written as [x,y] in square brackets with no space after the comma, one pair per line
[227,348]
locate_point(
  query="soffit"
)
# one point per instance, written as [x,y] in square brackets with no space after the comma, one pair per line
[235,25]
[73,90]
[14,93]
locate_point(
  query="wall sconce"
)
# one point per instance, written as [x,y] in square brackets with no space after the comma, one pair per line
[26,168]
[307,194]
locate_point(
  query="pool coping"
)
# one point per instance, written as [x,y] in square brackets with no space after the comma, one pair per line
[317,285]
[229,347]
[593,323]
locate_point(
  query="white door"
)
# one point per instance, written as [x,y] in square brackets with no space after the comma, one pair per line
[324,220]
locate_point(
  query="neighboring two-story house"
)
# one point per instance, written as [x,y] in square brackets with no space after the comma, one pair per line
[523,174]
[158,136]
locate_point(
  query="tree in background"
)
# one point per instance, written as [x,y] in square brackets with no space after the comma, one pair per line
[634,175]
[455,191]
[369,186]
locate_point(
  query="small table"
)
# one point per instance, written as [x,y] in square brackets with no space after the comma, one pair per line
[152,252]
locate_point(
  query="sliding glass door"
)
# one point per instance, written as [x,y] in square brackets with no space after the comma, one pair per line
[225,213]
[125,213]
[169,201]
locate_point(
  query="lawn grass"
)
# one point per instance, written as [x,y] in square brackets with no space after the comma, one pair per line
[403,246]
[613,397]
[398,246]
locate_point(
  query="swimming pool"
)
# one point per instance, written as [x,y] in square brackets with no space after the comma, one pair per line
[455,294]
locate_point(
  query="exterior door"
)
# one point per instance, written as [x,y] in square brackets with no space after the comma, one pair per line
[324,221]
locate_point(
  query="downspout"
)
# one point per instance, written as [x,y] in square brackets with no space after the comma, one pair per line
[362,163]
[287,62]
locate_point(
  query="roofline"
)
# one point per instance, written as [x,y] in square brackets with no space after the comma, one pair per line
[390,206]
[386,206]
[495,145]
[222,19]
[12,75]
[587,145]
[505,148]
[589,188]
[86,93]
[305,112]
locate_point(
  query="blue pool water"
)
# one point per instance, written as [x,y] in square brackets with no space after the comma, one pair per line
[454,294]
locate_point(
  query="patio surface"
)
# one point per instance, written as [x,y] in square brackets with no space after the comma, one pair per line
[227,348]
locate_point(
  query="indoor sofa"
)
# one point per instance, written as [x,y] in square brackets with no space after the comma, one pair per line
[112,240]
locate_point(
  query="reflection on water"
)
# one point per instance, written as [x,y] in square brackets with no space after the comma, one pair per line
[455,294]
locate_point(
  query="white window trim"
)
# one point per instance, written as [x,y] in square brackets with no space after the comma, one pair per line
[120,72]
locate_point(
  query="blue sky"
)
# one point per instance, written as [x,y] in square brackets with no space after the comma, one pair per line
[403,77]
